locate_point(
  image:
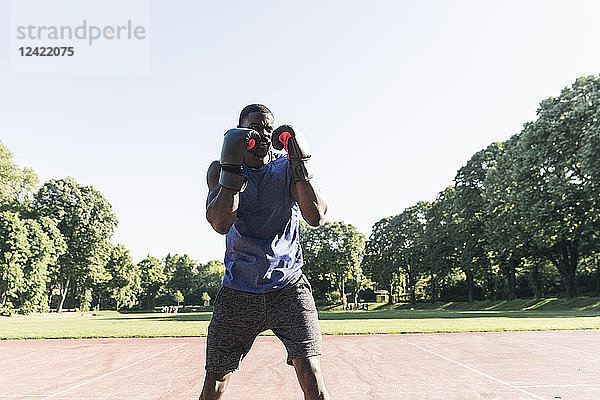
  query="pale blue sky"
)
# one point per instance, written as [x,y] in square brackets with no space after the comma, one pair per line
[393,97]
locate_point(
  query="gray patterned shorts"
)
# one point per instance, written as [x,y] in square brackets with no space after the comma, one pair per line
[238,317]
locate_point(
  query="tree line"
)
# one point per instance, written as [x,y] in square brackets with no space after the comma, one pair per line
[55,251]
[521,219]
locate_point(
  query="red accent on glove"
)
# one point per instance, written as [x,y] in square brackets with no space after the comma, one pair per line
[251,144]
[283,138]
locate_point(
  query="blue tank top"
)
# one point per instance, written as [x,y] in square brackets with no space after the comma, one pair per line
[263,251]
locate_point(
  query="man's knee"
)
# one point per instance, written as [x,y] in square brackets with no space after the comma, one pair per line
[214,385]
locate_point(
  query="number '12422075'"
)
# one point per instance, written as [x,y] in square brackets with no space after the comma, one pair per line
[46,51]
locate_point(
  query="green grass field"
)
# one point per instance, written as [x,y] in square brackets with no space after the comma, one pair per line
[580,313]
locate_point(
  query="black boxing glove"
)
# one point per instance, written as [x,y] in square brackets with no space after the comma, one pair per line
[296,146]
[235,145]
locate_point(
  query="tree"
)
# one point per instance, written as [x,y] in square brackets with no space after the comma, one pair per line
[16,184]
[205,298]
[507,240]
[46,244]
[336,253]
[440,240]
[360,283]
[86,221]
[14,252]
[181,274]
[343,252]
[27,248]
[471,216]
[410,225]
[28,245]
[555,174]
[124,284]
[317,272]
[588,150]
[208,279]
[178,297]
[153,280]
[381,262]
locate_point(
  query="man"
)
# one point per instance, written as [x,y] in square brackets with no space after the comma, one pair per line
[256,197]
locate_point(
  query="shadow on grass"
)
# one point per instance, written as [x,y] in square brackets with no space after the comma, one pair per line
[443,314]
[382,314]
[520,308]
[205,316]
[582,303]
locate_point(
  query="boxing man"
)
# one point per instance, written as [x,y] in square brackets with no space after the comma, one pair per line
[256,198]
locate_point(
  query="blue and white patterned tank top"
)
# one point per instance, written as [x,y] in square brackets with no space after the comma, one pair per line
[263,251]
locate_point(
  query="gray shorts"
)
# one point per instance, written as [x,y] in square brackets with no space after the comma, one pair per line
[238,317]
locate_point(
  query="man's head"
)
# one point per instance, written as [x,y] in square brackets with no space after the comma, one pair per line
[259,118]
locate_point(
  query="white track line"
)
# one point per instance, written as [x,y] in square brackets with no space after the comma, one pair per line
[113,372]
[560,386]
[22,395]
[474,370]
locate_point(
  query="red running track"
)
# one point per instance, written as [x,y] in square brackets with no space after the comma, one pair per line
[508,365]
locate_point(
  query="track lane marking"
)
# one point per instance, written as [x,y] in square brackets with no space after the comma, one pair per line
[560,386]
[113,372]
[474,370]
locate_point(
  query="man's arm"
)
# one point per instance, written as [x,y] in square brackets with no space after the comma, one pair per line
[303,190]
[222,203]
[311,201]
[225,179]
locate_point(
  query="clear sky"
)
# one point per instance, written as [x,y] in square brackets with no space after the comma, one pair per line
[393,97]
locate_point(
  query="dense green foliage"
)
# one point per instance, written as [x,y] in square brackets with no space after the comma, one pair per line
[521,218]
[29,244]
[86,221]
[55,251]
[332,256]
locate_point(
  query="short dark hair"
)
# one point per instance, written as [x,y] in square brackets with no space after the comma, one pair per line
[253,108]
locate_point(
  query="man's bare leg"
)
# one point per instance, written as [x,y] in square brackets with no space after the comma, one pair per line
[308,371]
[214,385]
